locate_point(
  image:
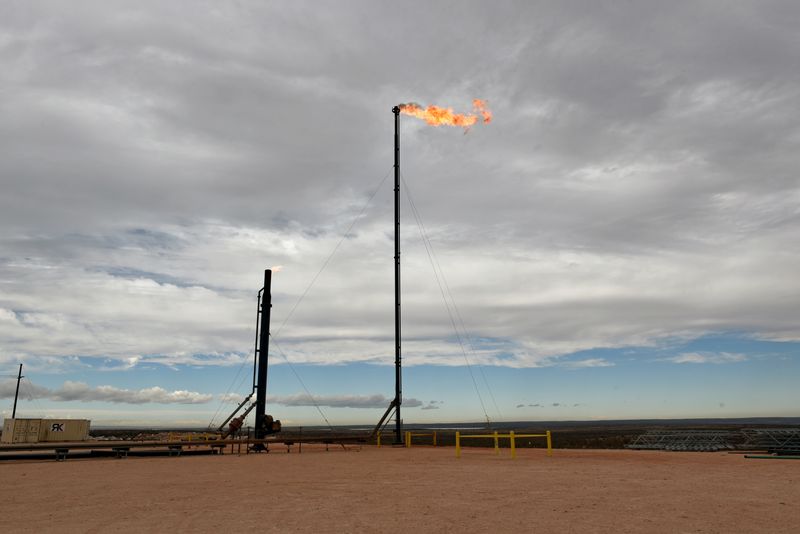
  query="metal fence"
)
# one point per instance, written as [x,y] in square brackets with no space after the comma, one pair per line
[780,440]
[685,440]
[774,440]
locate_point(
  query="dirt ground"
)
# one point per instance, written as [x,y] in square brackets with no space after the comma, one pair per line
[405,491]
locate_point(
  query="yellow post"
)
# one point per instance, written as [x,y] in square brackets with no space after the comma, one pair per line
[458,444]
[549,444]
[513,444]
[408,439]
[496,444]
[379,438]
[434,438]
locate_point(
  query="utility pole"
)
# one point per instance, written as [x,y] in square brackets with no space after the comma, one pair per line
[16,394]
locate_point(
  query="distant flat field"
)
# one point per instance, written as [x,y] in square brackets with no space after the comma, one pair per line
[405,491]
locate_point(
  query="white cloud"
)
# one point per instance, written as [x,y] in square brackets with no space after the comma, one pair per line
[589,362]
[78,391]
[231,398]
[708,357]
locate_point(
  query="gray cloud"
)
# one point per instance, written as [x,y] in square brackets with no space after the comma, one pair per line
[638,184]
[78,391]
[341,401]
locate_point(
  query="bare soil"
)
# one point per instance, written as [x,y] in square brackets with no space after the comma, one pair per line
[405,491]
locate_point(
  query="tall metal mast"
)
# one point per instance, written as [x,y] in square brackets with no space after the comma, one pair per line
[263,351]
[16,394]
[398,378]
[398,382]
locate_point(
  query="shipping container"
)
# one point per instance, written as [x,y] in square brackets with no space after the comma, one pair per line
[48,430]
[21,430]
[64,430]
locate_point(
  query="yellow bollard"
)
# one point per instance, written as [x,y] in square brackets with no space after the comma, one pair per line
[379,439]
[458,444]
[496,444]
[513,444]
[434,438]
[408,439]
[549,444]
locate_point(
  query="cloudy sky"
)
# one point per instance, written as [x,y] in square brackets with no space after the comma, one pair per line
[620,242]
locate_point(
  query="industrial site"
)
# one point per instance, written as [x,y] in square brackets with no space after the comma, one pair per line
[384,268]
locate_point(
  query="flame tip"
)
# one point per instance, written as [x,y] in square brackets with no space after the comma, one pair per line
[439,116]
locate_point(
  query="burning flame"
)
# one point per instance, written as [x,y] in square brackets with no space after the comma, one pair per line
[276,268]
[436,116]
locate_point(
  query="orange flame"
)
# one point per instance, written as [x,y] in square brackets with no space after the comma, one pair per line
[436,116]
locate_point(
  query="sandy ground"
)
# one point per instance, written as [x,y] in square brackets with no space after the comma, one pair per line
[405,491]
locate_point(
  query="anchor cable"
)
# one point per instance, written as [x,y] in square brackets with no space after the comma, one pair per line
[303,384]
[333,252]
[444,289]
[29,390]
[223,402]
[239,371]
